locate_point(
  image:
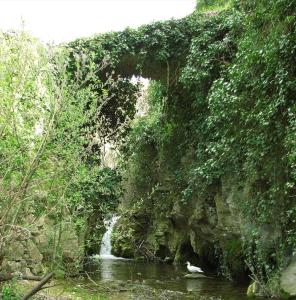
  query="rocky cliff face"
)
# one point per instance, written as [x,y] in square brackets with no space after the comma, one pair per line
[288,280]
[205,230]
[209,230]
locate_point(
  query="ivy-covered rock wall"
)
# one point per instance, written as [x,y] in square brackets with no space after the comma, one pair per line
[210,170]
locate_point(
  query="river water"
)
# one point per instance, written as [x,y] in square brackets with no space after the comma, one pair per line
[160,278]
[164,277]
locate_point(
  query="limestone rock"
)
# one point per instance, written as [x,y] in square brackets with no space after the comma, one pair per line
[168,259]
[37,269]
[288,280]
[27,272]
[69,244]
[33,252]
[253,290]
[70,248]
[15,251]
[195,276]
[41,222]
[41,240]
[11,266]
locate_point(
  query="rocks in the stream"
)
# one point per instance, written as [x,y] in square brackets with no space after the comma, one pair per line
[254,290]
[168,259]
[195,276]
[145,292]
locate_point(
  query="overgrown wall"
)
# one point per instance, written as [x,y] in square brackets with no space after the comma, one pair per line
[210,171]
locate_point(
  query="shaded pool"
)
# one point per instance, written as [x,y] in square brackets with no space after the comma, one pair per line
[163,277]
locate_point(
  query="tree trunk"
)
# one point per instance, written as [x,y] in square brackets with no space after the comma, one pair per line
[38,287]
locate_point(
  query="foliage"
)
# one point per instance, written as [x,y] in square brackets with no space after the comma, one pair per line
[221,103]
[92,195]
[52,131]
[146,129]
[227,104]
[238,81]
[9,291]
[29,107]
[262,111]
[212,5]
[146,51]
[246,122]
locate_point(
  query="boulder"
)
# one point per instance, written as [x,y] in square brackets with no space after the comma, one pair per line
[195,276]
[71,251]
[254,290]
[11,266]
[288,280]
[69,242]
[37,269]
[15,251]
[27,272]
[33,252]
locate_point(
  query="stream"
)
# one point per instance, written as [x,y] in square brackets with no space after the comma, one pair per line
[166,281]
[164,277]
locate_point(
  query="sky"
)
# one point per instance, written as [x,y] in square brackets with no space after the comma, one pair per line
[60,21]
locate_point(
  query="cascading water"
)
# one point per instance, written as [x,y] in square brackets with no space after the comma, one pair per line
[106,247]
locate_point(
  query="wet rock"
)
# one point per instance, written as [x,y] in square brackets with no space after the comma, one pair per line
[195,276]
[253,290]
[168,259]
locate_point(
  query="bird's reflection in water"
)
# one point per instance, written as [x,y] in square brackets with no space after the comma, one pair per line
[193,285]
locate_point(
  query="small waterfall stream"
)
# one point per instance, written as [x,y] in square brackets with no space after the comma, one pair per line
[155,277]
[106,247]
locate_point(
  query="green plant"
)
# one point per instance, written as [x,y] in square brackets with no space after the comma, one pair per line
[9,291]
[212,5]
[230,110]
[52,129]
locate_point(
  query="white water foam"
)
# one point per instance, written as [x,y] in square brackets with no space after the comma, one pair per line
[106,247]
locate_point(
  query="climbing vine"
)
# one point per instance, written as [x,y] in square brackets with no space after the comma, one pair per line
[230,109]
[221,112]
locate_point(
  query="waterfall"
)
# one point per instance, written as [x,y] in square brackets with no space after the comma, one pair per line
[106,247]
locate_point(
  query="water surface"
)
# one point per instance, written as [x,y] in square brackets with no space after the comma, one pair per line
[164,277]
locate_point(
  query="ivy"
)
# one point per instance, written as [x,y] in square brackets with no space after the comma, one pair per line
[223,95]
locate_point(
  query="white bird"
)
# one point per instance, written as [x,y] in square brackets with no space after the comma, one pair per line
[193,269]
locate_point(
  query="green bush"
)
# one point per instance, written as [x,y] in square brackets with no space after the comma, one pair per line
[9,291]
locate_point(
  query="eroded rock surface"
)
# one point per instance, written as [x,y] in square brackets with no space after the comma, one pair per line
[288,280]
